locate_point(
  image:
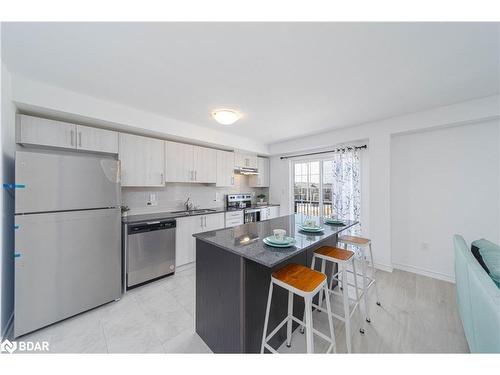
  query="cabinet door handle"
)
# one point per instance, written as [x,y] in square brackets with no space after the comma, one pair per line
[80,139]
[190,175]
[232,180]
[196,175]
[161,178]
[201,221]
[72,136]
[205,220]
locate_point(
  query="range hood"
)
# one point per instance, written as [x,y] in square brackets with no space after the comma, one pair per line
[246,170]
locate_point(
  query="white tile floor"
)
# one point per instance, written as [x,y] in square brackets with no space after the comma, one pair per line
[418,314]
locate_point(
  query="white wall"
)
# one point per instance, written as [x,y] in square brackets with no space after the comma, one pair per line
[41,98]
[379,135]
[173,195]
[7,203]
[443,182]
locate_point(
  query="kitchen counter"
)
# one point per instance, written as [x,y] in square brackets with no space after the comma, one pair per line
[165,215]
[175,215]
[246,240]
[233,271]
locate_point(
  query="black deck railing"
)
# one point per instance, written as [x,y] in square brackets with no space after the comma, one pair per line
[311,208]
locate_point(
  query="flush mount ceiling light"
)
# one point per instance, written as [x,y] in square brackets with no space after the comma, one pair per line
[226,116]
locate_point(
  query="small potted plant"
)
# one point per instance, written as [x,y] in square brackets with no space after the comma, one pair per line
[261,198]
[125,210]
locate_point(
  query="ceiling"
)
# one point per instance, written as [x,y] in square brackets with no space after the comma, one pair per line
[289,79]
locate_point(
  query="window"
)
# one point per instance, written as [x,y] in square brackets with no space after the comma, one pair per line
[329,186]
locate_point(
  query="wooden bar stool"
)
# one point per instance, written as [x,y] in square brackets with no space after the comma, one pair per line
[304,282]
[368,280]
[341,257]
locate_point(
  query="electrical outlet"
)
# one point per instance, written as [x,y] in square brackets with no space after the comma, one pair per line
[153,201]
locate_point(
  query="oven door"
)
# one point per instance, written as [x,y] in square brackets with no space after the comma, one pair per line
[252,215]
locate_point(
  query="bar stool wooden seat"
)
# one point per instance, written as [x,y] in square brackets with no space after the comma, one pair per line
[342,258]
[306,283]
[368,280]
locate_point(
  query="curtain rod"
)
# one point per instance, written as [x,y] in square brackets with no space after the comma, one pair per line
[343,149]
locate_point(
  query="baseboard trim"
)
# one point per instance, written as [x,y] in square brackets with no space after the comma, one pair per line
[8,328]
[425,272]
[384,267]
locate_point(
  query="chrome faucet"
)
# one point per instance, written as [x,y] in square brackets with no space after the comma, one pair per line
[188,205]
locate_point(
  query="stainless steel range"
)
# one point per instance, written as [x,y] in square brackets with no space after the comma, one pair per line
[238,202]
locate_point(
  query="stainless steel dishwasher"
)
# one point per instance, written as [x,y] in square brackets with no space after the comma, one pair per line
[150,251]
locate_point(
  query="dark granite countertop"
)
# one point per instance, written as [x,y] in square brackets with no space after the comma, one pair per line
[165,215]
[246,240]
[171,215]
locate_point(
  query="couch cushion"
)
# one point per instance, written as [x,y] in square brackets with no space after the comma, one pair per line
[491,257]
[475,251]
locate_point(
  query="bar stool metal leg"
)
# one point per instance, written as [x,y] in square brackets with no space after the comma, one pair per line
[330,319]
[365,288]
[320,298]
[266,321]
[309,325]
[373,274]
[290,321]
[355,278]
[347,314]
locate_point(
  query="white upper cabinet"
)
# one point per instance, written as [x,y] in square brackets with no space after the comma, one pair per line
[142,160]
[179,162]
[187,163]
[42,132]
[225,168]
[39,131]
[244,160]
[205,165]
[261,179]
[94,139]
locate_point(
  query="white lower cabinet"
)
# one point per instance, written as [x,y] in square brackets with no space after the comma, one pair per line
[268,213]
[274,211]
[234,218]
[185,243]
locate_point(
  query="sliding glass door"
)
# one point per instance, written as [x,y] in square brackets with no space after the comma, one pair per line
[326,187]
[317,182]
[307,187]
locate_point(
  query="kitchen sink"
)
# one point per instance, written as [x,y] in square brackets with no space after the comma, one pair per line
[195,212]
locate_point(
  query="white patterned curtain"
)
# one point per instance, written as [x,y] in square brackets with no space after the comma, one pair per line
[346,187]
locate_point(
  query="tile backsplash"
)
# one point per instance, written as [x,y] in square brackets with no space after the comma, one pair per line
[173,195]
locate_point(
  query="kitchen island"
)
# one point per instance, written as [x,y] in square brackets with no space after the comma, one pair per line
[233,271]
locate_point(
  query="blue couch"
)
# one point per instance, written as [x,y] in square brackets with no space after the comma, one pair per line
[478,300]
